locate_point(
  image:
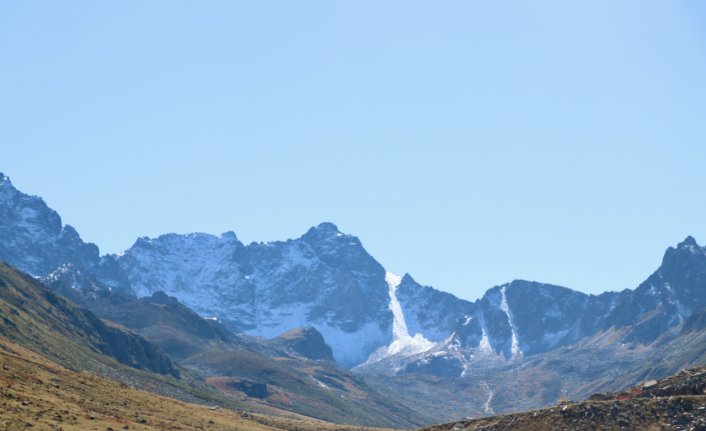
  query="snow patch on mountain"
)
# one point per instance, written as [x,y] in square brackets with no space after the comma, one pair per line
[401,340]
[351,348]
[403,343]
[515,346]
[484,345]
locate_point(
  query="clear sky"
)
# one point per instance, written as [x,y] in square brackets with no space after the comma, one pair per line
[468,143]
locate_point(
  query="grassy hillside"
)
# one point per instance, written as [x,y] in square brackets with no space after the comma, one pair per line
[310,387]
[36,393]
[161,319]
[36,317]
[215,365]
[294,373]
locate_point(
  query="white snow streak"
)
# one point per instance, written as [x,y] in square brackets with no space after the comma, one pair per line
[484,344]
[487,407]
[401,340]
[402,343]
[515,347]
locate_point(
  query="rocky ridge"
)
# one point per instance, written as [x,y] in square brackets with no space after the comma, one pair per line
[326,280]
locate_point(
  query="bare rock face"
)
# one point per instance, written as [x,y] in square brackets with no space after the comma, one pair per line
[34,240]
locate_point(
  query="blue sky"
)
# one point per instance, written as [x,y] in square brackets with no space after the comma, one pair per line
[468,143]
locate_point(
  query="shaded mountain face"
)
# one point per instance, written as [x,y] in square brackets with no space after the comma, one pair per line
[33,240]
[178,330]
[669,296]
[36,317]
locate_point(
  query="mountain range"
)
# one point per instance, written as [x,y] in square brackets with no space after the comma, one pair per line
[421,342]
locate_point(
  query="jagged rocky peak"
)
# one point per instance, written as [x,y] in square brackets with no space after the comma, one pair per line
[307,342]
[328,242]
[6,186]
[33,237]
[428,311]
[5,182]
[675,291]
[186,241]
[681,276]
[686,253]
[523,318]
[229,235]
[690,242]
[543,315]
[324,279]
[323,230]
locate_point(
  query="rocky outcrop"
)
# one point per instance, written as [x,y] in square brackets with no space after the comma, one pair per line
[306,342]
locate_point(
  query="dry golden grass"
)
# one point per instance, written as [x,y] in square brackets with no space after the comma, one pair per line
[38,394]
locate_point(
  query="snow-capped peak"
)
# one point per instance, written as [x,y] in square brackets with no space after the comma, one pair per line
[691,245]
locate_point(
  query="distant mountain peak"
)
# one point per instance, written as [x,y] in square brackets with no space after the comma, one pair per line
[229,235]
[6,187]
[327,227]
[688,242]
[686,250]
[690,239]
[407,278]
[323,232]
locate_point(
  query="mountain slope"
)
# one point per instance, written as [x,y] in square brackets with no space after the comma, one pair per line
[293,372]
[36,393]
[382,324]
[33,240]
[34,316]
[162,319]
[626,337]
